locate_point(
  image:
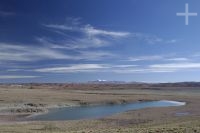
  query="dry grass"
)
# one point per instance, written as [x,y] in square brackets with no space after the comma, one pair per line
[151,120]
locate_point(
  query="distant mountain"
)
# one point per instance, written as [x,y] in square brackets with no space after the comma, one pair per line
[100,81]
[121,84]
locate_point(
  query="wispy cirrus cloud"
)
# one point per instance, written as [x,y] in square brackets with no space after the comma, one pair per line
[165,57]
[152,39]
[89,36]
[178,66]
[74,44]
[146,58]
[111,68]
[10,52]
[86,46]
[95,38]
[16,53]
[88,30]
[91,31]
[122,69]
[100,38]
[16,77]
[178,59]
[97,55]
[23,53]
[142,70]
[74,68]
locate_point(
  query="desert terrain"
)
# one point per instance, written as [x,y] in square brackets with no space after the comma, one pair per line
[19,101]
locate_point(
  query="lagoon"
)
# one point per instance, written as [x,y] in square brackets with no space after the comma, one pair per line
[99,111]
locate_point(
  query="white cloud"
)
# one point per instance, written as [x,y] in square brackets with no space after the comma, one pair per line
[87,68]
[96,55]
[123,66]
[141,70]
[89,36]
[167,57]
[10,52]
[178,59]
[60,27]
[92,37]
[176,66]
[84,43]
[75,43]
[122,69]
[22,53]
[16,77]
[91,31]
[88,30]
[152,39]
[146,58]
[74,68]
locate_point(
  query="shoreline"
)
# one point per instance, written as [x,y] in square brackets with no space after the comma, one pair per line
[22,117]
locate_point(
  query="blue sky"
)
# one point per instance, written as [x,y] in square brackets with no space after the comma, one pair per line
[80,41]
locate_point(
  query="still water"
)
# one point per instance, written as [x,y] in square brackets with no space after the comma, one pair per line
[92,112]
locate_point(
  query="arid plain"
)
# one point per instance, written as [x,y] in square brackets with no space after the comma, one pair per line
[20,101]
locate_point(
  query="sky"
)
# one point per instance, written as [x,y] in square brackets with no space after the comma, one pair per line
[85,40]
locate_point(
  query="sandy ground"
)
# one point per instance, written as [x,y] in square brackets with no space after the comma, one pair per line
[21,101]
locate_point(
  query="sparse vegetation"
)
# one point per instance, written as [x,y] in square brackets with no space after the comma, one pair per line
[151,120]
